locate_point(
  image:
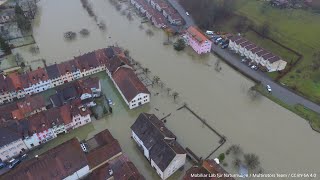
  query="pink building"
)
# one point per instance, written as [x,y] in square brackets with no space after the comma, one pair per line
[199,42]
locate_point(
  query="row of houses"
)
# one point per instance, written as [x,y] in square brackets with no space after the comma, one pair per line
[30,124]
[100,157]
[158,11]
[112,60]
[256,54]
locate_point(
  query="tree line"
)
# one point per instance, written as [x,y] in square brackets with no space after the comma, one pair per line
[207,12]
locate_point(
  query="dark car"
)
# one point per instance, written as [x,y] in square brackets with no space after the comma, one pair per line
[2,165]
[14,163]
[225,46]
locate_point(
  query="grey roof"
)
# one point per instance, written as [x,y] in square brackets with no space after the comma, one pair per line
[234,38]
[274,59]
[257,49]
[109,51]
[239,41]
[7,136]
[64,95]
[263,52]
[53,71]
[252,46]
[158,139]
[268,56]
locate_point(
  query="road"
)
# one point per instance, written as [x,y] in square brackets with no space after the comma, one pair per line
[278,90]
[188,19]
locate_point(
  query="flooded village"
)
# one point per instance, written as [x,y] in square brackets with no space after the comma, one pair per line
[208,111]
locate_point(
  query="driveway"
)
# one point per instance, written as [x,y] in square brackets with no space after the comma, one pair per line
[279,91]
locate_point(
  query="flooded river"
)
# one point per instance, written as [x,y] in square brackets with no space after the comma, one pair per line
[283,141]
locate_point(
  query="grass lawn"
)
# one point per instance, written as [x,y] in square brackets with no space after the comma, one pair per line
[312,117]
[297,29]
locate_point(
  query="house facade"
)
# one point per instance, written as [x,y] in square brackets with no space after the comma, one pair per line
[256,54]
[11,144]
[199,42]
[158,144]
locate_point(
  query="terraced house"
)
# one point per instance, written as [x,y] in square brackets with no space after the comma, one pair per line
[158,145]
[108,59]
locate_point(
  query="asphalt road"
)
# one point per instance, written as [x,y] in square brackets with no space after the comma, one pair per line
[188,19]
[279,91]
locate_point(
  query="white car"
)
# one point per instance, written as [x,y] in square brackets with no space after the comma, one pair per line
[269,88]
[187,13]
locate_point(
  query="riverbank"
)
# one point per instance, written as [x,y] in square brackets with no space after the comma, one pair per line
[313,118]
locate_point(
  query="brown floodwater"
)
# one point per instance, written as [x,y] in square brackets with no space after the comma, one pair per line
[283,141]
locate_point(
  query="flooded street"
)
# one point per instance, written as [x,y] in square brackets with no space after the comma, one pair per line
[283,141]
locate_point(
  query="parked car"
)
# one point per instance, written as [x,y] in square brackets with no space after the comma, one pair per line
[224,46]
[23,156]
[217,41]
[243,60]
[223,41]
[2,165]
[187,13]
[215,37]
[209,32]
[253,66]
[14,163]
[269,88]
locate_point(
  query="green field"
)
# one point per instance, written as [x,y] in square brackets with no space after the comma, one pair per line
[296,29]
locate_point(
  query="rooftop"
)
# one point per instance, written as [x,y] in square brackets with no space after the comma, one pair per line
[102,147]
[129,83]
[197,34]
[57,163]
[157,138]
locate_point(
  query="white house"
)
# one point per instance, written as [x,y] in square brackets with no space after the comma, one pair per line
[69,71]
[132,90]
[11,144]
[276,64]
[158,144]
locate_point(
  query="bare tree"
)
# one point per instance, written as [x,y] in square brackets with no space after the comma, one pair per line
[252,161]
[265,29]
[146,71]
[168,90]
[316,61]
[235,150]
[155,80]
[175,95]
[236,163]
[161,85]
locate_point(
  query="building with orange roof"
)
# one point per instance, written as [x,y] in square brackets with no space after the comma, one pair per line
[38,81]
[132,90]
[197,40]
[29,106]
[17,84]
[88,88]
[7,89]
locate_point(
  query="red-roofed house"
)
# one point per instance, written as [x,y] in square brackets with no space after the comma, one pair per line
[88,88]
[31,105]
[79,113]
[38,81]
[130,87]
[7,89]
[199,42]
[17,84]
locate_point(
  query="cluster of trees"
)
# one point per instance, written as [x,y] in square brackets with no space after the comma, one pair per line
[5,46]
[179,45]
[207,12]
[23,22]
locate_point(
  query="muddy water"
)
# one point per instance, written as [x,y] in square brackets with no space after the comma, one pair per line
[283,141]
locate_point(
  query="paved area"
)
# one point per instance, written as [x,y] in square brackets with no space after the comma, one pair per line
[188,19]
[278,90]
